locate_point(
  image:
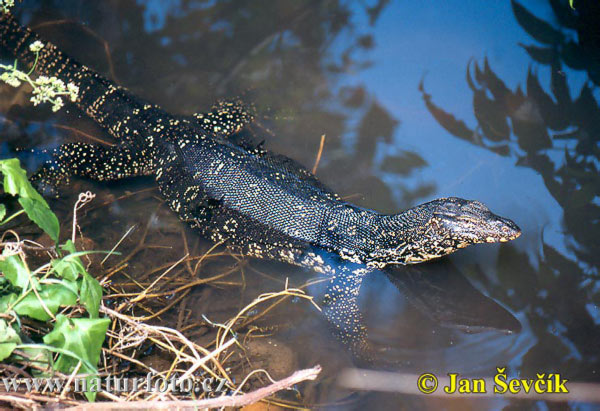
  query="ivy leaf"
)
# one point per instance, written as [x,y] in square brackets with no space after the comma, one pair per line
[16,183]
[7,301]
[74,286]
[69,246]
[81,336]
[41,214]
[8,340]
[69,267]
[90,295]
[15,271]
[2,211]
[15,180]
[53,296]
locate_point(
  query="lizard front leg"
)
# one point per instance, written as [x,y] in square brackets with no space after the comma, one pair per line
[225,118]
[96,162]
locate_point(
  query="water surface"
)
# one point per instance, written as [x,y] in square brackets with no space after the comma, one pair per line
[507,114]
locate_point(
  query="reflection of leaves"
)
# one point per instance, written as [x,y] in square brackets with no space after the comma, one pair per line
[542,55]
[403,163]
[586,113]
[422,191]
[376,10]
[580,55]
[575,184]
[491,117]
[493,83]
[366,42]
[582,197]
[551,295]
[455,127]
[377,122]
[559,87]
[574,56]
[353,97]
[458,128]
[551,113]
[565,15]
[515,273]
[537,28]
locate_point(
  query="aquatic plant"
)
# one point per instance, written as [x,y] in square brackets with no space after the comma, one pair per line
[63,281]
[5,5]
[45,89]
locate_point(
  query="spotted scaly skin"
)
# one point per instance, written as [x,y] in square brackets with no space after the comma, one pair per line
[259,203]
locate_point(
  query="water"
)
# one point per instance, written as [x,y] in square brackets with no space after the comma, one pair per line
[351,71]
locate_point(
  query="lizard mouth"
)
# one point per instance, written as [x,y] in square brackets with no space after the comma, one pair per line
[490,229]
[510,231]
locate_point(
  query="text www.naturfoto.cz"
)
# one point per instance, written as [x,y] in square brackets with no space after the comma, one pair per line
[150,383]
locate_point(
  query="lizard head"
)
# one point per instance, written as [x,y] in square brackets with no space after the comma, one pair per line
[438,228]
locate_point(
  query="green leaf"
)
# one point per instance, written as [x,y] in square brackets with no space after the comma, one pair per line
[15,180]
[15,271]
[66,269]
[81,336]
[8,340]
[53,296]
[7,301]
[2,211]
[69,246]
[41,214]
[74,286]
[16,183]
[69,267]
[90,295]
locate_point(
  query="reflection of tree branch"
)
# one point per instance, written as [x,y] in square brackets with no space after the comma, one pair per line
[582,54]
[573,181]
[297,16]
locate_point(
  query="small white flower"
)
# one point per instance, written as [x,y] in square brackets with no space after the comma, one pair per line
[13,81]
[10,79]
[6,4]
[58,103]
[36,46]
[36,99]
[58,84]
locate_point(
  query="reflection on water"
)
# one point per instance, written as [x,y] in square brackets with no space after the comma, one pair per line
[352,71]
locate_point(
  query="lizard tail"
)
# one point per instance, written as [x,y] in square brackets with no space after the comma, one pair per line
[98,97]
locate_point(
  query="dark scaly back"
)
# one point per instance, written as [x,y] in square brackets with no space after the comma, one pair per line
[112,107]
